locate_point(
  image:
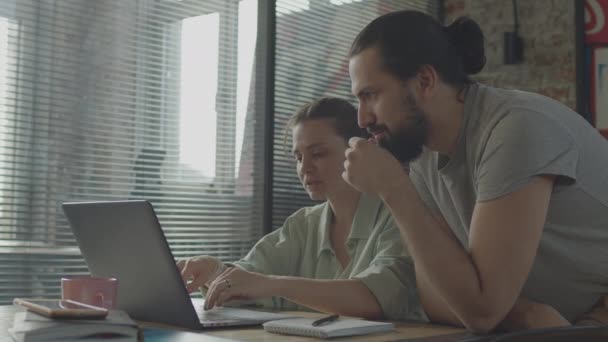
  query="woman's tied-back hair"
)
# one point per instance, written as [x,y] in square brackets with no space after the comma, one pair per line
[408,40]
[341,114]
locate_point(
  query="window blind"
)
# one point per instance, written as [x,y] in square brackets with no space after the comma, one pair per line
[130,99]
[312,42]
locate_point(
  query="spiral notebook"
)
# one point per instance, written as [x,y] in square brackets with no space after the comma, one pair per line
[339,328]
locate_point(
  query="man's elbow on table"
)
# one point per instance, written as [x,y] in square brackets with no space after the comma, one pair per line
[482,322]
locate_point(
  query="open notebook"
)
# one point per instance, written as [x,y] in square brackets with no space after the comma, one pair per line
[341,327]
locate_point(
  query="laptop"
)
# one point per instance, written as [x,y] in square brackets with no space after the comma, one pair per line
[124,240]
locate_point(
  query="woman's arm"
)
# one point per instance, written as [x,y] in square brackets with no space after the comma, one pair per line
[386,288]
[273,254]
[344,297]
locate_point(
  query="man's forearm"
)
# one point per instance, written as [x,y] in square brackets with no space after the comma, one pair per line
[525,314]
[449,269]
[434,306]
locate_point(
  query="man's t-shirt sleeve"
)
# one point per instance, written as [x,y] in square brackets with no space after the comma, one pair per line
[522,145]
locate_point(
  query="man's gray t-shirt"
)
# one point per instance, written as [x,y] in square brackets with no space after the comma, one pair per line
[507,138]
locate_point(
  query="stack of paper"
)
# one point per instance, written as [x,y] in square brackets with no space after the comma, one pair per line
[31,327]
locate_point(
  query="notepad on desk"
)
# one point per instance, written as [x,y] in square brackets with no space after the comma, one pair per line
[338,328]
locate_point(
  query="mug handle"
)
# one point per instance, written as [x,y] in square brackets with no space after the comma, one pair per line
[99,299]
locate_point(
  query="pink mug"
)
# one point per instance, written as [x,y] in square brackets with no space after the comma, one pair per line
[96,291]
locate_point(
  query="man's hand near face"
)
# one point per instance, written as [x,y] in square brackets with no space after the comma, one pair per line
[370,168]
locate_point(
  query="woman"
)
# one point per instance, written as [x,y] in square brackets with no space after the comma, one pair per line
[343,256]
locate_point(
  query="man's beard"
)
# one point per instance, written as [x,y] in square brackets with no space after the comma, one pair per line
[406,141]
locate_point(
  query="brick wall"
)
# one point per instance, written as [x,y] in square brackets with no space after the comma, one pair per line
[548,32]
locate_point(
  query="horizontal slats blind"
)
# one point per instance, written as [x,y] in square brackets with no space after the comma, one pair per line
[312,43]
[130,99]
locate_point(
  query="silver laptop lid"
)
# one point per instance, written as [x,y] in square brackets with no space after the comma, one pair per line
[123,239]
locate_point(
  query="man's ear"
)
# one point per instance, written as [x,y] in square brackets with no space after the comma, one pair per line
[426,81]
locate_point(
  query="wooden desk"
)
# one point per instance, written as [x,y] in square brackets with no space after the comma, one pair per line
[403,331]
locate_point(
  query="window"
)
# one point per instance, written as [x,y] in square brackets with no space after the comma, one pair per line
[291,6]
[199,78]
[248,15]
[3,99]
[107,100]
[198,90]
[342,2]
[3,63]
[7,78]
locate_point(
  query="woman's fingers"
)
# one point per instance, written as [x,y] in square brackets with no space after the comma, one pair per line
[215,290]
[195,271]
[185,269]
[194,285]
[225,296]
[180,264]
[209,298]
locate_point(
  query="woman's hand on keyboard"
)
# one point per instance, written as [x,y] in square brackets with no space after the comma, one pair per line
[200,271]
[237,284]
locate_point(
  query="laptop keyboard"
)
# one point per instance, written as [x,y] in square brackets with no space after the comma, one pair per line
[212,316]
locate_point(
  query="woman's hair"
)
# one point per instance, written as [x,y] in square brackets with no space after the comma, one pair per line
[340,113]
[408,40]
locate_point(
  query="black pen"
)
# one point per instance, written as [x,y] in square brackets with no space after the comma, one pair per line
[325,320]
